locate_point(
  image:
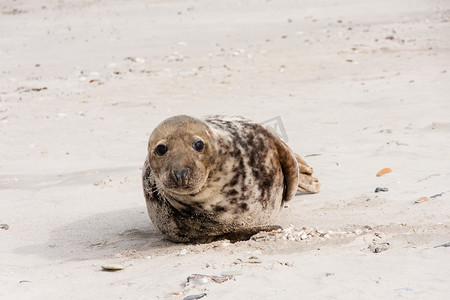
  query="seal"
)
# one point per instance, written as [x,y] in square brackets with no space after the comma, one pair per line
[219,177]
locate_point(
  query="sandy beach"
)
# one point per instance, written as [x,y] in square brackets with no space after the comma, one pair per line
[358,86]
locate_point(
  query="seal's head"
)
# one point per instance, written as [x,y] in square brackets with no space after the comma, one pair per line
[180,150]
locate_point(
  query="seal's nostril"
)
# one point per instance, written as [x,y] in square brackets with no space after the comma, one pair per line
[184,176]
[180,176]
[177,175]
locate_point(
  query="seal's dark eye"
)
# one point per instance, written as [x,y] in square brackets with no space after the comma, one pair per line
[161,149]
[198,146]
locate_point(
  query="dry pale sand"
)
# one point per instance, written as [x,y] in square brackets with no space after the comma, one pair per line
[359,86]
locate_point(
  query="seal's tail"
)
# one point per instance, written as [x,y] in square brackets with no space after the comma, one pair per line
[306,182]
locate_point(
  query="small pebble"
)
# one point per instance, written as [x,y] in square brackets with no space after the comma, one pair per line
[381,189]
[112,267]
[437,195]
[443,245]
[254,260]
[24,281]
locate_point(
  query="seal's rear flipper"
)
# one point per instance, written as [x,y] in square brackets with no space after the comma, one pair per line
[306,182]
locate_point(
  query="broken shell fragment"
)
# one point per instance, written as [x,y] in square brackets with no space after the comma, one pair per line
[384,171]
[379,247]
[200,279]
[421,200]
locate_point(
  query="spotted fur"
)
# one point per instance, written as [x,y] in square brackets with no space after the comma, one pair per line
[239,181]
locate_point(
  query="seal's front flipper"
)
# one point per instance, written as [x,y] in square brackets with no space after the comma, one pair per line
[245,234]
[306,182]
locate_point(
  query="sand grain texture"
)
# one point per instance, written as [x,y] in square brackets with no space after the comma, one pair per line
[358,85]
